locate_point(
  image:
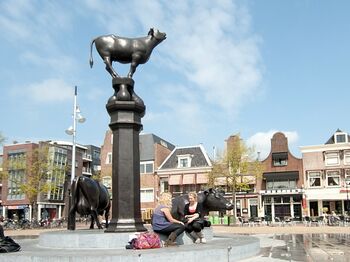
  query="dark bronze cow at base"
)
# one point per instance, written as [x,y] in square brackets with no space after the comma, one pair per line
[89,197]
[126,50]
[211,200]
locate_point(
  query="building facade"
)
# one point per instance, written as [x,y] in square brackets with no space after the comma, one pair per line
[19,161]
[184,170]
[281,185]
[327,176]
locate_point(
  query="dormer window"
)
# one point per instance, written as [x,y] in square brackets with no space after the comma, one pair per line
[184,161]
[340,138]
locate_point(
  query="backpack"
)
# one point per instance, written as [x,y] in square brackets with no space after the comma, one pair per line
[146,240]
[8,245]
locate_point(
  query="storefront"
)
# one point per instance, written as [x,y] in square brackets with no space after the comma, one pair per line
[282,203]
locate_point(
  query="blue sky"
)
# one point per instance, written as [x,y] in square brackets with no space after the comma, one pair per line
[250,67]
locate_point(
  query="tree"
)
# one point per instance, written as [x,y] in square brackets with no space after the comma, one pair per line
[237,169]
[2,139]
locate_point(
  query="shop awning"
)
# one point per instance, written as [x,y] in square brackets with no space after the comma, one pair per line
[175,180]
[188,179]
[202,178]
[281,175]
[220,181]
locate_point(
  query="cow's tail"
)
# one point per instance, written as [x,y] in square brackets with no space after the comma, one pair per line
[91,60]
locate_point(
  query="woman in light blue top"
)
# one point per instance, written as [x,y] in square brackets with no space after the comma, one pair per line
[164,223]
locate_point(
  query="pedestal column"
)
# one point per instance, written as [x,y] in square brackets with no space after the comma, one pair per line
[126,110]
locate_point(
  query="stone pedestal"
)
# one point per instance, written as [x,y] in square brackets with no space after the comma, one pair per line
[126,110]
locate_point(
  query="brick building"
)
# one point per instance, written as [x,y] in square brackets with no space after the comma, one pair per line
[281,186]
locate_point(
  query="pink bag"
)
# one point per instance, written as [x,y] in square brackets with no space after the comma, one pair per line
[147,240]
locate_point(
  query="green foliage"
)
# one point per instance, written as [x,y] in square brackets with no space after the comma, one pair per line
[236,167]
[2,139]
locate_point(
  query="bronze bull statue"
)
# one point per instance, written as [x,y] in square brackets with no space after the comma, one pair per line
[126,50]
[89,197]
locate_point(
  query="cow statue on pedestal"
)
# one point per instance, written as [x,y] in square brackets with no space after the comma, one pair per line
[126,50]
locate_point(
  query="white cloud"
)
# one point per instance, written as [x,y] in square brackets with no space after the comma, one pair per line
[34,22]
[262,141]
[62,64]
[49,91]
[219,57]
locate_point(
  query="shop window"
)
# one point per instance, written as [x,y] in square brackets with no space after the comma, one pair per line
[277,199]
[286,199]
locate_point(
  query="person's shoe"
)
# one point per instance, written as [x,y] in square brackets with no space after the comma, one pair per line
[171,240]
[201,238]
[194,236]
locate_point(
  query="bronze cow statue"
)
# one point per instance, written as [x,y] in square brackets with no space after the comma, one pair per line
[211,200]
[126,50]
[90,197]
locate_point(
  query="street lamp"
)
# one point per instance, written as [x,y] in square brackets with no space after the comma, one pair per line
[73,129]
[72,132]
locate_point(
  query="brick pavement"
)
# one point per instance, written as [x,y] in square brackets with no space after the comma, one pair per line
[220,229]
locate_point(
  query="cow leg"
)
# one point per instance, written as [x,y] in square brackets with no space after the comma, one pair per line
[107,215]
[94,215]
[134,63]
[92,222]
[109,67]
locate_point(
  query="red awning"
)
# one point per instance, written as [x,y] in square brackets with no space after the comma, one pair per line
[220,181]
[202,178]
[189,179]
[175,179]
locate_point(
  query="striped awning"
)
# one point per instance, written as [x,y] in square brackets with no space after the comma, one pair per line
[175,180]
[189,179]
[202,178]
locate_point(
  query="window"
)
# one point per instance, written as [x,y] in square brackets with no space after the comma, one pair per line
[332,159]
[164,185]
[146,167]
[314,179]
[147,195]
[281,184]
[347,158]
[188,188]
[340,138]
[280,159]
[184,161]
[109,158]
[96,154]
[333,178]
[347,178]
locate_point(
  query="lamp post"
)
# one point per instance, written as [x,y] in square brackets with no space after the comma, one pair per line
[72,131]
